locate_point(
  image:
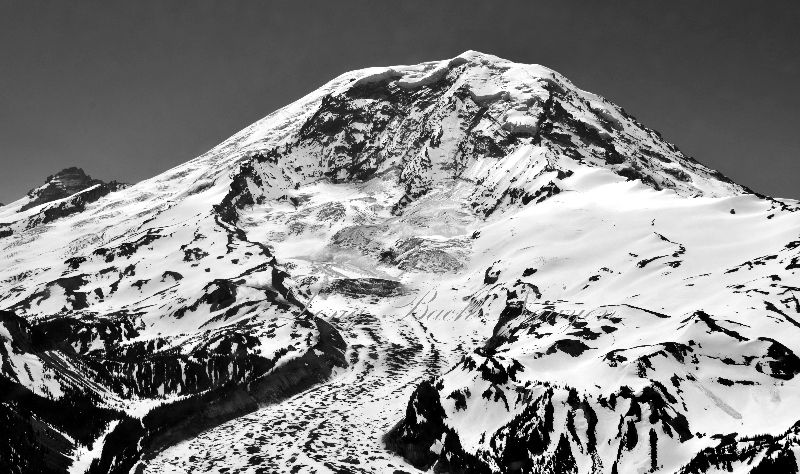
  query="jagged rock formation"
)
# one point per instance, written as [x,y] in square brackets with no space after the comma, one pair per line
[461,266]
[64,184]
[69,191]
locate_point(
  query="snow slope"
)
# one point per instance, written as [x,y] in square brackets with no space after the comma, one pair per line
[465,266]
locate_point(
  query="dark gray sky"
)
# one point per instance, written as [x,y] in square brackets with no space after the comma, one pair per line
[127,90]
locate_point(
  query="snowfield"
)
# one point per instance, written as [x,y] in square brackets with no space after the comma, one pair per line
[459,266]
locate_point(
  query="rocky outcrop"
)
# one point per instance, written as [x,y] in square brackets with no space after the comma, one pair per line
[41,427]
[65,183]
[74,204]
[133,440]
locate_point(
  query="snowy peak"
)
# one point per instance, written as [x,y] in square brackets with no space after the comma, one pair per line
[65,193]
[61,185]
[516,130]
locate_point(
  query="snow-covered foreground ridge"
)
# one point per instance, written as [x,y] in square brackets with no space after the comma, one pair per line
[289,301]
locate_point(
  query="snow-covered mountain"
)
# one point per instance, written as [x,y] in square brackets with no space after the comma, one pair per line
[460,266]
[64,184]
[72,188]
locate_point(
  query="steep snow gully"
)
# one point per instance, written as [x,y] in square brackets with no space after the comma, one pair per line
[465,266]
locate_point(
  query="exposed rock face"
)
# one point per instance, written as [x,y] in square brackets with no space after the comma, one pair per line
[71,188]
[463,266]
[63,184]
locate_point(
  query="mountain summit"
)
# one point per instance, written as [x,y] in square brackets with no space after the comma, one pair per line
[459,266]
[64,184]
